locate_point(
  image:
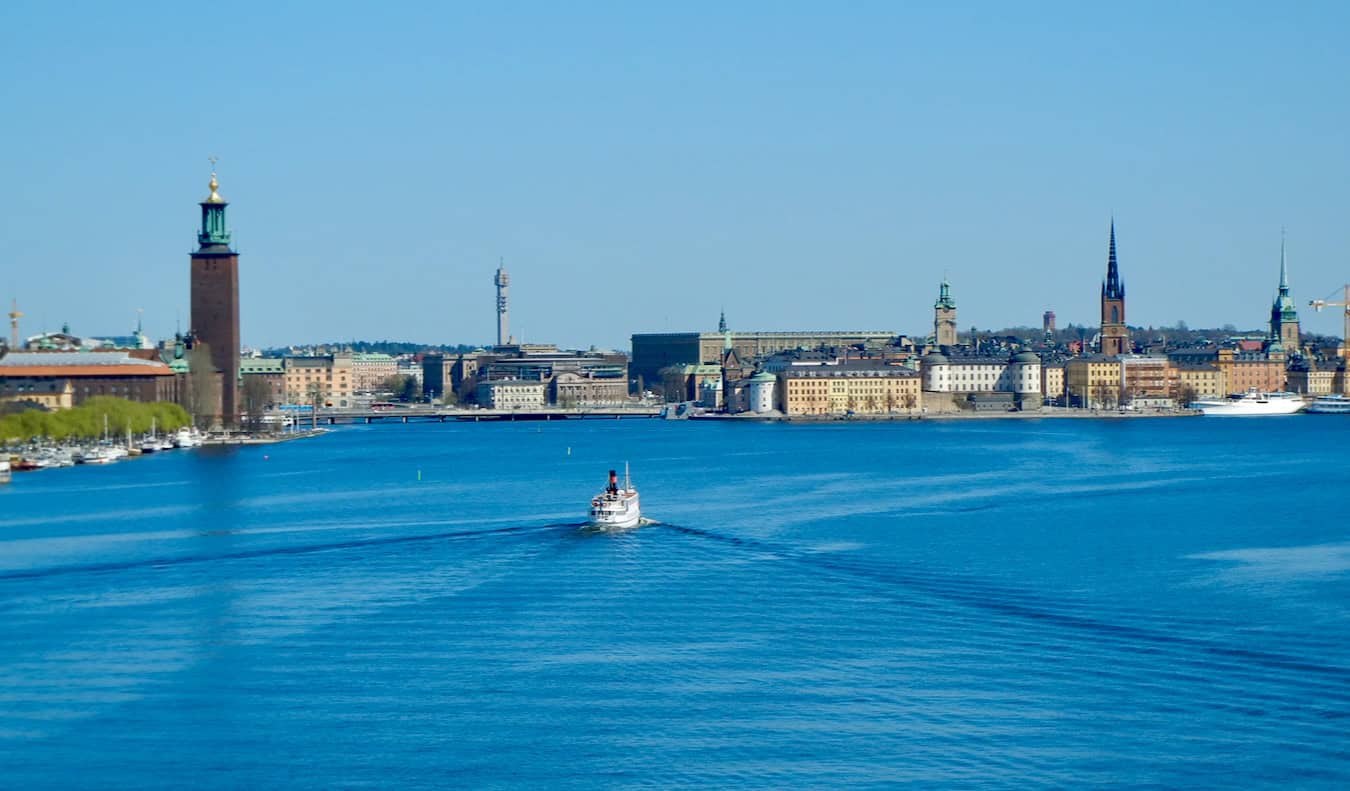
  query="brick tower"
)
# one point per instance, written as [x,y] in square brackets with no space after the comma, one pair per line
[215,300]
[1115,335]
[944,316]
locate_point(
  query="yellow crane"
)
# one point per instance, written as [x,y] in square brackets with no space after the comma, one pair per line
[1318,304]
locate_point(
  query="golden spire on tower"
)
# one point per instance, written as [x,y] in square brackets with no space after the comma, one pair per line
[214,197]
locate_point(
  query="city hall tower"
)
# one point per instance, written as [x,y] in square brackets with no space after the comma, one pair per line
[214,320]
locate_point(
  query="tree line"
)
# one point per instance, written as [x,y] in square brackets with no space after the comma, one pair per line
[87,420]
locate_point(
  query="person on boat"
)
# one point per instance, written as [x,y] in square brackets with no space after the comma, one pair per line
[613,487]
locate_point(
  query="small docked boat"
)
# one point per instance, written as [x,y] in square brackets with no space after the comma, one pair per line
[4,470]
[617,506]
[187,438]
[99,454]
[1251,404]
[1330,405]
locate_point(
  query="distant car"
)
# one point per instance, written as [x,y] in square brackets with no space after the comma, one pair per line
[382,405]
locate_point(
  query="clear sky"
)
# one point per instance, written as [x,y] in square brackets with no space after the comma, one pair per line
[641,166]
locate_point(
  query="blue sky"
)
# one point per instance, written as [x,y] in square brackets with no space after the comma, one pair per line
[640,167]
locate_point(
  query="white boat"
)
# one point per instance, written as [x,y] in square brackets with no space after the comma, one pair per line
[617,506]
[187,438]
[1251,404]
[4,470]
[99,454]
[1330,405]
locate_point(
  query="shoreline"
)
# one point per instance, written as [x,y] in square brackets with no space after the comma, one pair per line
[1066,414]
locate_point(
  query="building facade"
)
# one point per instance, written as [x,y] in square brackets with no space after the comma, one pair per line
[325,378]
[574,391]
[370,370]
[60,380]
[653,352]
[1093,382]
[512,394]
[837,390]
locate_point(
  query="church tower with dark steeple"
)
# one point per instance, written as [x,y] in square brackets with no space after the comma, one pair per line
[214,320]
[1115,335]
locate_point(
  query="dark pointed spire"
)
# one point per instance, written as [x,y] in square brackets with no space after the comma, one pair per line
[722,322]
[1112,288]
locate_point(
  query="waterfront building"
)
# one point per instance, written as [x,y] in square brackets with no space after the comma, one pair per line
[325,378]
[370,370]
[968,375]
[1261,371]
[1146,378]
[841,389]
[1312,378]
[1197,380]
[512,394]
[1284,327]
[59,380]
[1115,336]
[270,370]
[1052,380]
[1092,381]
[542,362]
[762,389]
[437,375]
[653,352]
[944,317]
[573,390]
[214,318]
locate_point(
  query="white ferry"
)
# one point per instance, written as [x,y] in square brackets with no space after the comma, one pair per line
[1330,405]
[1250,404]
[616,507]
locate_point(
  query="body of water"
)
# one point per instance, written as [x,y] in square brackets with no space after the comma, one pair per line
[980,603]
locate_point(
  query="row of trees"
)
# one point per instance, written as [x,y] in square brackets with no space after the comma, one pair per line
[87,421]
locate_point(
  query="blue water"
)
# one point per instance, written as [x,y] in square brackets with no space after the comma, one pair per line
[987,603]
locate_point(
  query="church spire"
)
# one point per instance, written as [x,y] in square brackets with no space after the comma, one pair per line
[1284,269]
[1112,288]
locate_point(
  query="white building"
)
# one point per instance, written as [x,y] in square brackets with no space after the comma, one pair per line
[512,394]
[762,391]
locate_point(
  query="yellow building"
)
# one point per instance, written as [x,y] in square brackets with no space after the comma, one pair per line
[837,390]
[1052,381]
[1198,381]
[327,378]
[47,392]
[1093,381]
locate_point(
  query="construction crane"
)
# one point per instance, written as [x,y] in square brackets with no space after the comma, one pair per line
[1318,304]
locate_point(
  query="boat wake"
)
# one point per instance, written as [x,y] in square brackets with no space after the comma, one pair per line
[302,549]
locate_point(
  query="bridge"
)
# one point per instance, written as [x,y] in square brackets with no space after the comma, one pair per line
[414,414]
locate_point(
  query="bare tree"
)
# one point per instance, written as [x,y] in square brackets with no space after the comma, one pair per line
[203,401]
[257,398]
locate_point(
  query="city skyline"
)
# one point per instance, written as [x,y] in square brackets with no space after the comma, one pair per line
[707,167]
